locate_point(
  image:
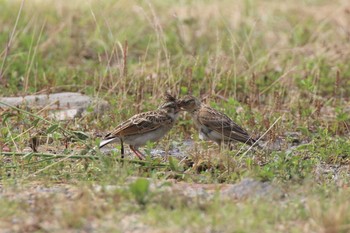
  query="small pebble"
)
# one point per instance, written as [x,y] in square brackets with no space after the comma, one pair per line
[27,150]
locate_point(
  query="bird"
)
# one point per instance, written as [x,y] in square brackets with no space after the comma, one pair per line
[145,127]
[212,124]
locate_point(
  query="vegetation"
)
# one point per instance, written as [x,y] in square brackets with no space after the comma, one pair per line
[279,69]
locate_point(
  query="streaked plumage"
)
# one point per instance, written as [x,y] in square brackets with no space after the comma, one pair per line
[145,127]
[212,124]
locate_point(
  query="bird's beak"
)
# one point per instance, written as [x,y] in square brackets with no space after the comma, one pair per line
[179,104]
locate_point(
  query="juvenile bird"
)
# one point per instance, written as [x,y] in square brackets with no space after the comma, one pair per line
[212,124]
[145,127]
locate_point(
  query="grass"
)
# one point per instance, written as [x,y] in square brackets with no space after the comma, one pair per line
[266,64]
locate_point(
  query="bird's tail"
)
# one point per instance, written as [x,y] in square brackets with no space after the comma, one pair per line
[251,142]
[105,142]
[256,142]
[244,138]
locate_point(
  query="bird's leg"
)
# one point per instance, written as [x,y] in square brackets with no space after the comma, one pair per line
[140,153]
[122,148]
[137,153]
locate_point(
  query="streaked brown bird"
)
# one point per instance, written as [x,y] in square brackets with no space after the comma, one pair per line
[145,127]
[212,124]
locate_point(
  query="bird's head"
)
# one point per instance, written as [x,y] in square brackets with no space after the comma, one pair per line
[170,105]
[189,103]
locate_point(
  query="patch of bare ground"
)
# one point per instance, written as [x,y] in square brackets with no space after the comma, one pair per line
[65,206]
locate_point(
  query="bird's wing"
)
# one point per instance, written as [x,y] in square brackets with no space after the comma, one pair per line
[141,123]
[221,123]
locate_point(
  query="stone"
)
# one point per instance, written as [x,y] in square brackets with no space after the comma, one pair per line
[61,106]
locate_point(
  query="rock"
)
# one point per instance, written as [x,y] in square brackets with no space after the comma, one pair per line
[61,106]
[338,174]
[246,188]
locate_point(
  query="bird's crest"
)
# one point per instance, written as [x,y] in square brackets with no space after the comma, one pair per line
[168,97]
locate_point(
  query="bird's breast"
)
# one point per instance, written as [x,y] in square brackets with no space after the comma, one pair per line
[151,136]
